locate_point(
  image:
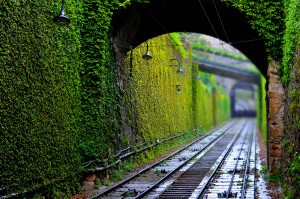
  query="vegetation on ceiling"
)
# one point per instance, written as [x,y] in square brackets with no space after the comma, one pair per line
[267,18]
[291,41]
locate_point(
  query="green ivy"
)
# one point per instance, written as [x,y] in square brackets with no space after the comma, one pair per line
[40,95]
[262,108]
[291,38]
[267,18]
[152,92]
[290,75]
[293,175]
[60,104]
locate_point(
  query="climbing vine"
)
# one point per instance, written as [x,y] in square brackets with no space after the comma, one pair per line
[60,105]
[267,18]
[291,38]
[290,75]
[39,101]
[163,110]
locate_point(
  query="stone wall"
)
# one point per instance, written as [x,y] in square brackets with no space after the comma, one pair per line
[276,95]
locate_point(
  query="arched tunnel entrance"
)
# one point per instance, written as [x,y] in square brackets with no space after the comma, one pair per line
[213,18]
[138,23]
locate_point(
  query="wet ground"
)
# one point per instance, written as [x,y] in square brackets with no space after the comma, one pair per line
[265,190]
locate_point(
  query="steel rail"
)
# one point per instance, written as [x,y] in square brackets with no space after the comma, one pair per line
[105,192]
[235,167]
[247,166]
[255,164]
[178,168]
[204,188]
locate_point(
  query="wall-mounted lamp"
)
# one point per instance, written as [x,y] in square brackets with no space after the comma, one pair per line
[147,55]
[178,89]
[62,19]
[178,64]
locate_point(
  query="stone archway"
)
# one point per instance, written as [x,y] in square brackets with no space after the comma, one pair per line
[138,23]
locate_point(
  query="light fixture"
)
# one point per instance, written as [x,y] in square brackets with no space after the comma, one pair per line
[178,64]
[62,19]
[147,55]
[178,88]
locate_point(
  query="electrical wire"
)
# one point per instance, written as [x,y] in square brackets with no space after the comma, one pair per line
[126,45]
[208,19]
[157,21]
[221,22]
[244,41]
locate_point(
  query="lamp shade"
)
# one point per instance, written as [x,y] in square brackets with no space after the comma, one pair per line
[62,19]
[147,55]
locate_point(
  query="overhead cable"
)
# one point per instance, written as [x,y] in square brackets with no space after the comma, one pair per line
[208,19]
[221,22]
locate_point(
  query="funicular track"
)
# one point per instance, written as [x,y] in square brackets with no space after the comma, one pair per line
[234,176]
[190,182]
[180,174]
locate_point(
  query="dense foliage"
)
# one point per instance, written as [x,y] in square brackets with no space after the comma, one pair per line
[210,49]
[262,109]
[39,102]
[267,18]
[60,104]
[291,72]
[57,92]
[291,38]
[152,91]
[291,138]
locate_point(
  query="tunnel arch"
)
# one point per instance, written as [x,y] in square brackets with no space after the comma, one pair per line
[140,22]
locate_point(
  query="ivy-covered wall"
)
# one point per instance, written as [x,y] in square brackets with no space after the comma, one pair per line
[59,100]
[290,76]
[39,95]
[162,111]
[267,18]
[60,105]
[262,108]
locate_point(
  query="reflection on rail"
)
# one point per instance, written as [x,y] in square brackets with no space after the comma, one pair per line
[192,171]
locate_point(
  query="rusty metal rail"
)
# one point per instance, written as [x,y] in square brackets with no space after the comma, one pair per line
[189,181]
[142,182]
[233,173]
[244,187]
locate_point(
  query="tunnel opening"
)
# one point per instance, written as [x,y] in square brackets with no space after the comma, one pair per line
[243,100]
[167,66]
[138,23]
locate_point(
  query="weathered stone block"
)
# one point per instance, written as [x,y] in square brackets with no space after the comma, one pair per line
[275,106]
[88,186]
[276,96]
[91,178]
[89,182]
[276,87]
[276,130]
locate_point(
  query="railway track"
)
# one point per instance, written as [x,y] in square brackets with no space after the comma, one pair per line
[235,176]
[184,173]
